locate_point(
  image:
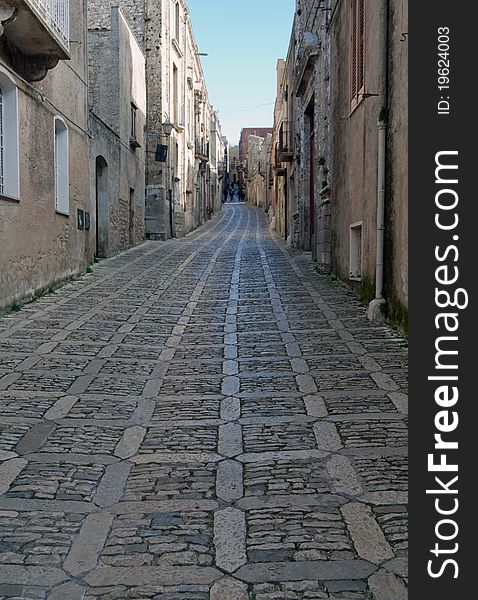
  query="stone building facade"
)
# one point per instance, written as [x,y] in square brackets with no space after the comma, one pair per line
[117,113]
[369,216]
[301,134]
[181,178]
[258,169]
[340,145]
[236,167]
[244,139]
[283,154]
[218,163]
[45,234]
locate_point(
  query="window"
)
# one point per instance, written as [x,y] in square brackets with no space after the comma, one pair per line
[133,121]
[175,95]
[62,183]
[176,21]
[356,251]
[357,51]
[9,155]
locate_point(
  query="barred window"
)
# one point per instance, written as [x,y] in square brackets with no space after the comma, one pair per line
[357,51]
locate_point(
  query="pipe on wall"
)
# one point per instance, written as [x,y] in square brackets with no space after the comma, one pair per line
[375,310]
[382,156]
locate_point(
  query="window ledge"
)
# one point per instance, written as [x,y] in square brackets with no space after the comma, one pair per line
[7,198]
[356,104]
[177,47]
[63,214]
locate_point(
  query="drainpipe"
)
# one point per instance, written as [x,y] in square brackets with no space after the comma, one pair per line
[382,142]
[376,308]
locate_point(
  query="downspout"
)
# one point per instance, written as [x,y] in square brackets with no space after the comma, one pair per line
[376,309]
[382,150]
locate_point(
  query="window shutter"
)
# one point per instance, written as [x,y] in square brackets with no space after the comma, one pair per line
[361,45]
[353,73]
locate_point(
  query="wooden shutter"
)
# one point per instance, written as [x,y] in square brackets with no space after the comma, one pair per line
[357,50]
[353,56]
[360,44]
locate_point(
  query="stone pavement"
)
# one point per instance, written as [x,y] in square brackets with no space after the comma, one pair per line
[204,418]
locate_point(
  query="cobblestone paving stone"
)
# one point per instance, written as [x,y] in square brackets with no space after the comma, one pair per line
[202,419]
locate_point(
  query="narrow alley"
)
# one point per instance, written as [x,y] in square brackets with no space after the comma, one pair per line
[205,418]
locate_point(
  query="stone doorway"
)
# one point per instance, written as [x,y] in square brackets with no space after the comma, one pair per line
[102,207]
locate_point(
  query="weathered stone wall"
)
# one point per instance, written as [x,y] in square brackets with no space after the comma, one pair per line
[149,22]
[117,71]
[103,83]
[355,148]
[38,245]
[135,11]
[396,242]
[314,89]
[303,104]
[311,87]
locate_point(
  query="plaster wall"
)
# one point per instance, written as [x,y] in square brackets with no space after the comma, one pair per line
[38,246]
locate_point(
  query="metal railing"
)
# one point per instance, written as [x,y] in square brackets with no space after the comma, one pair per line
[285,152]
[202,148]
[285,137]
[56,16]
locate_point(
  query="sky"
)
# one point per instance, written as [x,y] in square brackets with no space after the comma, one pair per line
[243,40]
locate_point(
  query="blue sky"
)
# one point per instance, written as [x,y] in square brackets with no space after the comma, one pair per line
[244,39]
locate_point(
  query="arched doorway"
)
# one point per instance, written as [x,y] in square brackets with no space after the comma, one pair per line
[102,207]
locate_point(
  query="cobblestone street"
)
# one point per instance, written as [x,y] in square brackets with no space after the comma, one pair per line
[199,419]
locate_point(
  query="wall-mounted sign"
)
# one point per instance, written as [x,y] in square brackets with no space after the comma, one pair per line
[87,221]
[80,216]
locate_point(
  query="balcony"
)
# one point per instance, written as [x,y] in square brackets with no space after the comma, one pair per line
[202,150]
[37,33]
[284,147]
[279,169]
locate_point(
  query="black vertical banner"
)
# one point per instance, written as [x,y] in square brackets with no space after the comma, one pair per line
[443,273]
